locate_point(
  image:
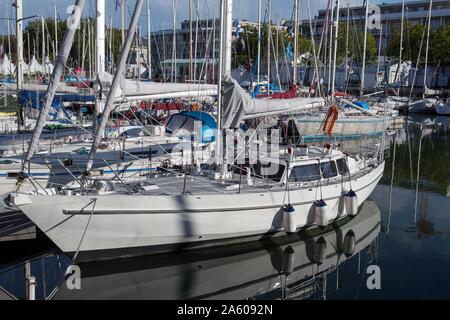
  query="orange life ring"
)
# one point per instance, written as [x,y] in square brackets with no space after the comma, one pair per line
[333,113]
[196,107]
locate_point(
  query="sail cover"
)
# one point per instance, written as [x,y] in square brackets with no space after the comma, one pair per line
[238,105]
[136,90]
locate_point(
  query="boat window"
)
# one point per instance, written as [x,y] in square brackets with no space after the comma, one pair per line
[308,172]
[342,166]
[328,169]
[259,171]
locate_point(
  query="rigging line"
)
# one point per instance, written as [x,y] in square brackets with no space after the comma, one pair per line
[391,187]
[94,202]
[418,173]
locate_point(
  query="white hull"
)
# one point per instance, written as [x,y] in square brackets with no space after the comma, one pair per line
[260,266]
[168,222]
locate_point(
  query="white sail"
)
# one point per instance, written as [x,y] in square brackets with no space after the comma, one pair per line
[6,66]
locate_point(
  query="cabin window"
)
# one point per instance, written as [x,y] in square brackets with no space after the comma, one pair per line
[342,166]
[328,169]
[304,173]
[260,170]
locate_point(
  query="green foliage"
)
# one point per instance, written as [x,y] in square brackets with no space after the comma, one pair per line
[250,37]
[33,46]
[439,46]
[355,43]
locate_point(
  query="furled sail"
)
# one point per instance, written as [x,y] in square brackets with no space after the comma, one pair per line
[238,105]
[139,90]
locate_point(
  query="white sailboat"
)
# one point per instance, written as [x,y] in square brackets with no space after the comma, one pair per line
[171,211]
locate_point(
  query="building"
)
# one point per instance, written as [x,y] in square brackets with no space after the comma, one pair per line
[390,14]
[172,62]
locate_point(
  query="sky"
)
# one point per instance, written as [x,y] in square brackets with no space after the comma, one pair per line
[162,13]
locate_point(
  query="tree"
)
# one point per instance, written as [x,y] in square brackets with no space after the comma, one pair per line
[355,43]
[439,44]
[250,37]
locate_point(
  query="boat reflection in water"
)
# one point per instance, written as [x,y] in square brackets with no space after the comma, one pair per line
[282,268]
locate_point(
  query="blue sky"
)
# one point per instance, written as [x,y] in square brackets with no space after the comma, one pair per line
[162,9]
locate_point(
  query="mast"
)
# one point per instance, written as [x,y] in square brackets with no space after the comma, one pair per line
[401,45]
[123,22]
[363,67]
[174,42]
[336,35]
[101,38]
[316,64]
[55,48]
[346,41]
[190,42]
[149,42]
[19,35]
[426,49]
[379,53]
[115,83]
[269,36]
[228,37]
[296,8]
[259,43]
[19,62]
[58,70]
[330,50]
[43,41]
[100,48]
[226,9]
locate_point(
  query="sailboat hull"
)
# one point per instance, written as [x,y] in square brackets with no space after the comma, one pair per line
[126,225]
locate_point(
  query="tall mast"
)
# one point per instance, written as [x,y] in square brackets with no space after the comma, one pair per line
[426,48]
[330,49]
[316,63]
[19,36]
[100,48]
[363,67]
[58,70]
[118,76]
[401,44]
[149,42]
[101,38]
[56,33]
[259,43]
[190,41]
[379,53]
[123,22]
[43,41]
[269,36]
[174,41]
[226,9]
[336,34]
[346,41]
[228,36]
[296,8]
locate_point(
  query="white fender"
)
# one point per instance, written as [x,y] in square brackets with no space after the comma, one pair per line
[289,223]
[351,203]
[321,213]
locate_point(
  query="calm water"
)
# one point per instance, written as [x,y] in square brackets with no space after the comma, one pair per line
[403,229]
